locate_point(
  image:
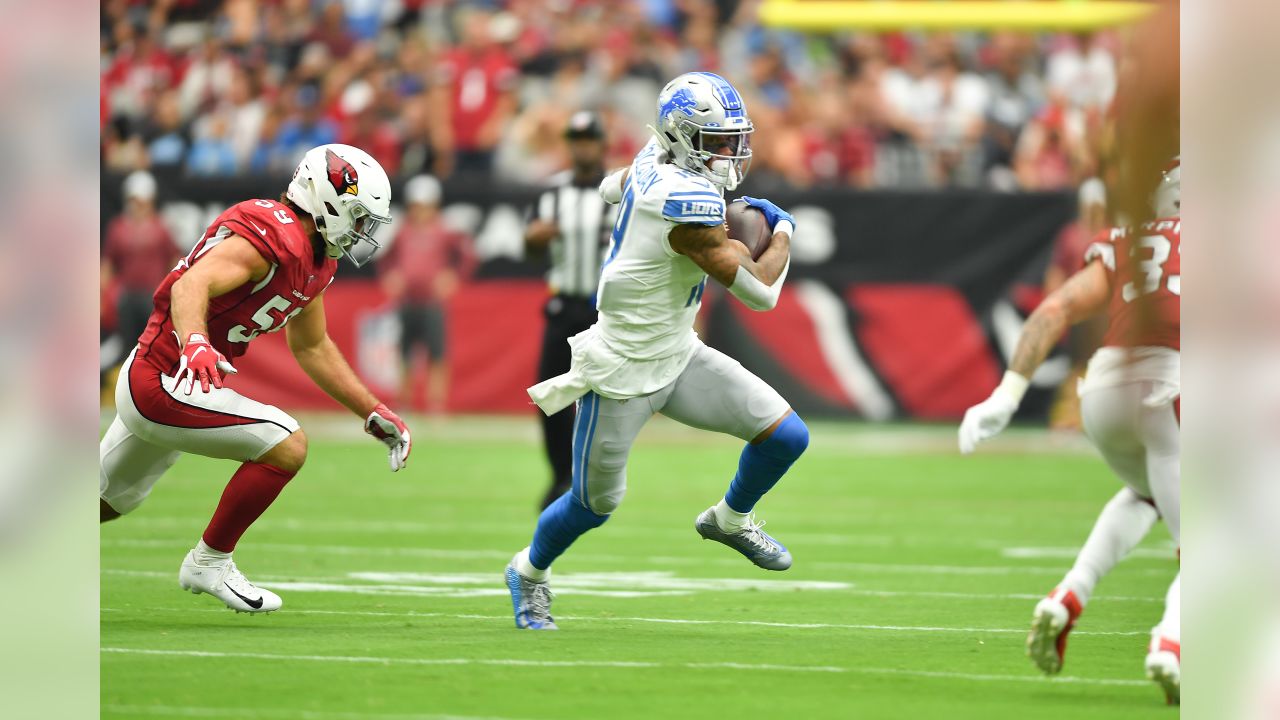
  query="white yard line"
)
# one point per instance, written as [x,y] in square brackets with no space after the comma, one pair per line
[621,664]
[665,621]
[450,554]
[268,714]
[862,592]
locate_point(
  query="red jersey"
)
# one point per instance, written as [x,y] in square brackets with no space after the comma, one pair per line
[1146,283]
[236,318]
[478,78]
[140,251]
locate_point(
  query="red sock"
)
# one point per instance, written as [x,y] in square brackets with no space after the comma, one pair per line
[251,491]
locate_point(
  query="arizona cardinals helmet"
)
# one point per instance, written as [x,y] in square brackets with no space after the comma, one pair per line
[348,195]
[1167,200]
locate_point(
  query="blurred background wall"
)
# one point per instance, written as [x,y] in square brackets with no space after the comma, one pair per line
[934,175]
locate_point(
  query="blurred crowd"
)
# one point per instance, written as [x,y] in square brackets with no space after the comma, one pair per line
[226,87]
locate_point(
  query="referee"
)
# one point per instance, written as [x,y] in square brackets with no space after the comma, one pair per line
[572,223]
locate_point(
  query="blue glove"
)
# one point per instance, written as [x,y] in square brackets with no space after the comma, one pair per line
[772,213]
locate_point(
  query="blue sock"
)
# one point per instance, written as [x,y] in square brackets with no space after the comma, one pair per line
[762,465]
[559,525]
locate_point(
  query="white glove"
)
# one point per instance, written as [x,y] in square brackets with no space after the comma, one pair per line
[391,430]
[986,419]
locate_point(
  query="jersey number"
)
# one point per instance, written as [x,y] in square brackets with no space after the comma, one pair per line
[1151,270]
[270,317]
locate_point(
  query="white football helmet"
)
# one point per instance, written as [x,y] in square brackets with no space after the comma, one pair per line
[1167,199]
[700,116]
[348,195]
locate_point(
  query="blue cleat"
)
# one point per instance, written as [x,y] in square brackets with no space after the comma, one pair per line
[531,601]
[755,544]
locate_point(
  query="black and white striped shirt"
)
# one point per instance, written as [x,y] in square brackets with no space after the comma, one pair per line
[585,221]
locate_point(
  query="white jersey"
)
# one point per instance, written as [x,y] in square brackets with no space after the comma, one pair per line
[649,294]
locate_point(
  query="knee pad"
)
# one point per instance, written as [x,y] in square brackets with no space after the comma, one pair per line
[788,440]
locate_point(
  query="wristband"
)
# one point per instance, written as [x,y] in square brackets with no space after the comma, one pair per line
[1012,386]
[785,226]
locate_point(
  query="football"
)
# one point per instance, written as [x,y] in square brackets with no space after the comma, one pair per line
[748,226]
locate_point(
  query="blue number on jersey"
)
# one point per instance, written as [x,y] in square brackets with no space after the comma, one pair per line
[695,293]
[624,219]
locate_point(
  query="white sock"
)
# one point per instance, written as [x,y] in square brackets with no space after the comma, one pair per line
[1171,624]
[1121,525]
[727,518]
[206,555]
[526,568]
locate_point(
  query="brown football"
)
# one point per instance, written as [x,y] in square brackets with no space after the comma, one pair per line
[748,226]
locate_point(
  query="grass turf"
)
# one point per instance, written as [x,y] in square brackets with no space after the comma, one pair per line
[915,575]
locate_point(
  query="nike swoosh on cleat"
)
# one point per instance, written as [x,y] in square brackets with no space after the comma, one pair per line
[255,604]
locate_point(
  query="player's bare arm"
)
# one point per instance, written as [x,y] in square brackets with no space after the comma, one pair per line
[227,266]
[323,362]
[1082,296]
[711,248]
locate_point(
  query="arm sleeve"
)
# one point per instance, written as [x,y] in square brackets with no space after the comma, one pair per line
[754,293]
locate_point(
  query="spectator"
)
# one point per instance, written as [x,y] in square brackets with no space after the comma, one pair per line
[482,80]
[136,256]
[420,273]
[245,112]
[212,153]
[208,78]
[331,31]
[305,128]
[365,130]
[1082,75]
[1017,94]
[1049,150]
[168,140]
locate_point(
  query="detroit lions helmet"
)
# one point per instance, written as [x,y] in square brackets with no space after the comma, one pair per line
[348,195]
[1167,200]
[703,126]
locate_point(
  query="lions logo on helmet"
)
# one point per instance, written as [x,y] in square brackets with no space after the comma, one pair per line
[704,127]
[681,100]
[342,176]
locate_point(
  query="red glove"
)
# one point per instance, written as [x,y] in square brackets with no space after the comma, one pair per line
[391,430]
[201,361]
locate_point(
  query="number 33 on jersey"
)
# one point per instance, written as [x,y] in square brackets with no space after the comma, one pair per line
[296,277]
[1145,266]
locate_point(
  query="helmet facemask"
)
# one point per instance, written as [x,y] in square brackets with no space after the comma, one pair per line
[357,243]
[722,155]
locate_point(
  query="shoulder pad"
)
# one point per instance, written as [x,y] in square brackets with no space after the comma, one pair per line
[688,198]
[269,227]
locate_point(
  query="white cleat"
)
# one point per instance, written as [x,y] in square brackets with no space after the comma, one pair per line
[1164,668]
[1054,618]
[225,582]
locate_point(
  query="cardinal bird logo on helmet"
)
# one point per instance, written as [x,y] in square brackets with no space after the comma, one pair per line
[341,175]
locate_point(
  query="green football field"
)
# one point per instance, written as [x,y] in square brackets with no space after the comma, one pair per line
[915,575]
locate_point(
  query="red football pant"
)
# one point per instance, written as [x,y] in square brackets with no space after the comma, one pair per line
[251,491]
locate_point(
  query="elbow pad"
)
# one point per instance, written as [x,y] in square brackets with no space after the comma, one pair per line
[755,294]
[611,188]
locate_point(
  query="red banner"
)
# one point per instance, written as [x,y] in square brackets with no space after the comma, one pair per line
[493,335]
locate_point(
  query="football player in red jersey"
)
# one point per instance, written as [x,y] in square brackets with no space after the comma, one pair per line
[261,266]
[1129,401]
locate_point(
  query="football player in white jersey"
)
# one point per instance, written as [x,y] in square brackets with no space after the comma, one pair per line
[643,357]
